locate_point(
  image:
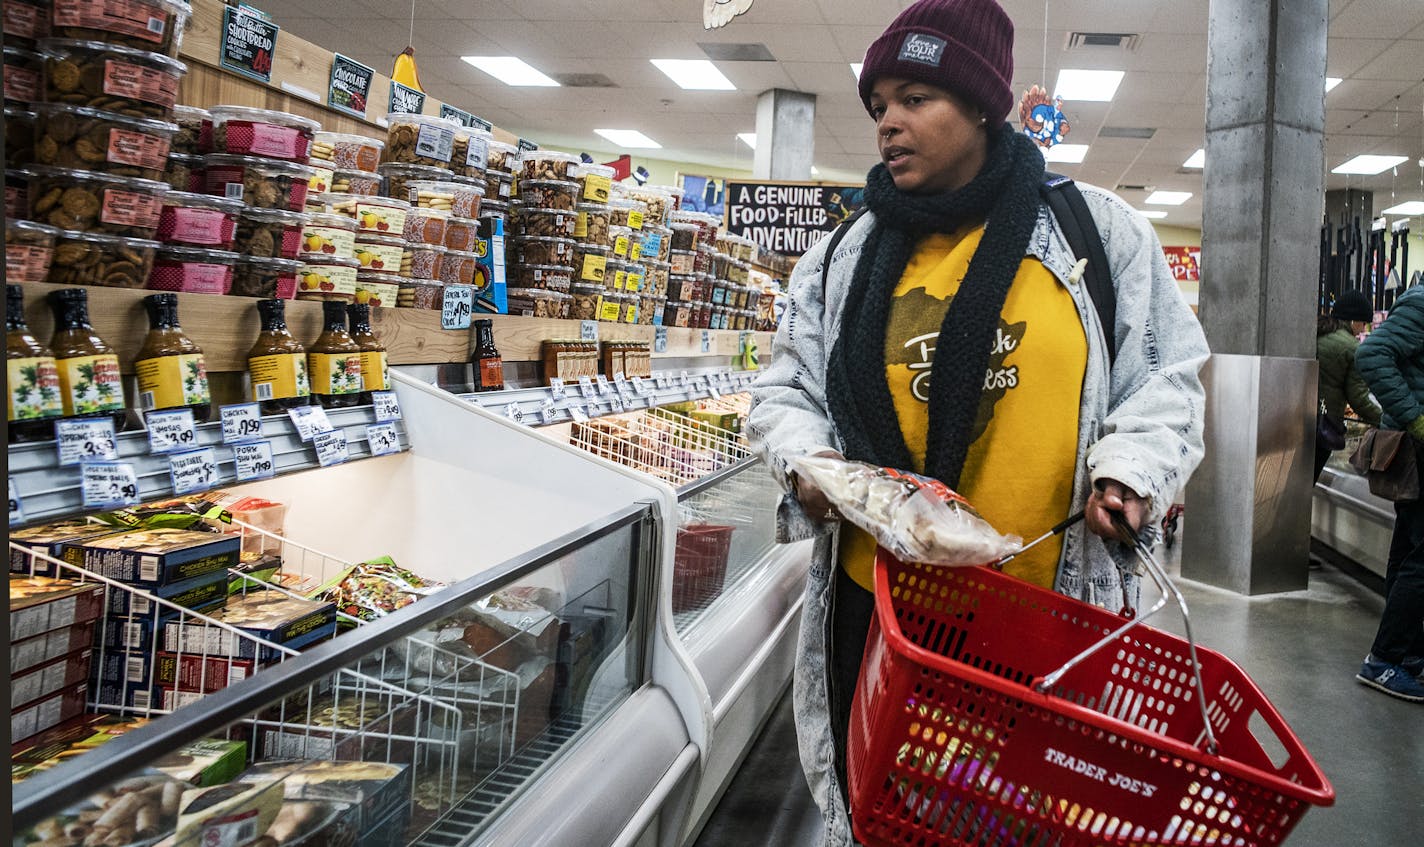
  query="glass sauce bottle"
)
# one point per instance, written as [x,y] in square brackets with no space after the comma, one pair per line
[375,376]
[90,385]
[334,360]
[489,365]
[31,379]
[170,367]
[277,363]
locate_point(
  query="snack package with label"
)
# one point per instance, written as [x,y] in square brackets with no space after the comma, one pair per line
[916,518]
[375,588]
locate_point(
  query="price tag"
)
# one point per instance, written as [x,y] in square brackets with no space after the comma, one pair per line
[17,513]
[241,422]
[686,380]
[604,389]
[712,389]
[253,460]
[85,439]
[169,431]
[577,411]
[556,389]
[660,339]
[640,386]
[706,341]
[195,470]
[586,388]
[588,330]
[459,304]
[514,413]
[309,421]
[387,408]
[383,439]
[109,484]
[330,447]
[619,378]
[615,403]
[547,411]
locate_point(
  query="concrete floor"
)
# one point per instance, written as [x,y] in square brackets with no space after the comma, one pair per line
[1302,649]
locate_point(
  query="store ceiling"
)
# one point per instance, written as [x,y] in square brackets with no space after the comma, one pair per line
[1376,47]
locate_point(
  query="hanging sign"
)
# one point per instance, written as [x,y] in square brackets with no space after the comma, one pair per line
[350,86]
[248,43]
[405,100]
[789,217]
[1042,118]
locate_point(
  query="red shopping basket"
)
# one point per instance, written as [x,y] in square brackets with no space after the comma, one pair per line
[952,742]
[699,564]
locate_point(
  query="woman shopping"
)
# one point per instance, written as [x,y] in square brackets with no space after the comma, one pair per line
[1033,413]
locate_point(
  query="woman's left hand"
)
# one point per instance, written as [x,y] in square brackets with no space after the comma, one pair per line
[1110,496]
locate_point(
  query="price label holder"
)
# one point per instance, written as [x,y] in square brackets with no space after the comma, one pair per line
[615,403]
[556,389]
[17,512]
[387,408]
[686,380]
[586,388]
[548,411]
[619,378]
[193,470]
[85,440]
[310,421]
[383,439]
[706,341]
[457,307]
[241,422]
[514,413]
[712,387]
[588,330]
[660,339]
[107,484]
[577,411]
[604,389]
[330,447]
[171,431]
[640,387]
[253,460]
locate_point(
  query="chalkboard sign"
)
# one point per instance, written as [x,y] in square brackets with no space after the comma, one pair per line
[249,41]
[788,217]
[350,85]
[405,101]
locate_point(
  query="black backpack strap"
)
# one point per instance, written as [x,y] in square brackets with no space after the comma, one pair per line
[836,237]
[1071,210]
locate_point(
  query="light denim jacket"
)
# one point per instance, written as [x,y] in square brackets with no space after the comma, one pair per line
[1140,424]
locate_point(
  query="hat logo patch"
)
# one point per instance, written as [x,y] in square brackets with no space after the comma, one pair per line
[921,48]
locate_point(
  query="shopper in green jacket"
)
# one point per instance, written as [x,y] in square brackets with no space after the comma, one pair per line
[1339,380]
[1391,360]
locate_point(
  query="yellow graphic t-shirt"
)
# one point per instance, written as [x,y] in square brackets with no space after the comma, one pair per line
[1019,469]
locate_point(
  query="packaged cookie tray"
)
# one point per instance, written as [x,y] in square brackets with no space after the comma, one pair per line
[543,250]
[539,303]
[26,22]
[19,135]
[87,258]
[548,194]
[344,150]
[29,250]
[23,70]
[107,142]
[269,233]
[328,233]
[420,140]
[155,25]
[185,173]
[547,165]
[195,130]
[460,267]
[262,183]
[462,233]
[111,77]
[198,220]
[243,131]
[421,261]
[257,277]
[192,269]
[85,201]
[458,198]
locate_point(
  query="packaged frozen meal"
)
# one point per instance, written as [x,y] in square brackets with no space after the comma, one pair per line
[375,588]
[268,615]
[153,557]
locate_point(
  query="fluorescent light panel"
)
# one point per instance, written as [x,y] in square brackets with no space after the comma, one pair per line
[1409,207]
[630,138]
[855,68]
[1071,154]
[1197,160]
[1369,165]
[748,138]
[694,74]
[511,70]
[1168,198]
[1153,214]
[1097,86]
[1331,82]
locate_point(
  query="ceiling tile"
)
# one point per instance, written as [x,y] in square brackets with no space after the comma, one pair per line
[1374,18]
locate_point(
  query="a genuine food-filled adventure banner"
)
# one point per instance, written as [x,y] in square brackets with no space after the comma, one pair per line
[788,217]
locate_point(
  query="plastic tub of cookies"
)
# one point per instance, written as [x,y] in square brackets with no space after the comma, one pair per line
[419,140]
[107,142]
[548,194]
[595,182]
[656,276]
[542,250]
[462,233]
[502,159]
[539,303]
[261,183]
[185,173]
[494,210]
[677,313]
[683,261]
[587,301]
[374,288]
[345,150]
[327,278]
[615,275]
[195,130]
[353,181]
[591,262]
[739,272]
[460,267]
[94,202]
[629,213]
[17,193]
[458,198]
[546,164]
[24,70]
[193,270]
[659,202]
[684,236]
[421,261]
[548,277]
[26,21]
[381,215]
[622,239]
[379,252]
[244,131]
[90,258]
[628,314]
[320,182]
[593,224]
[269,233]
[198,220]
[155,25]
[426,226]
[470,152]
[29,249]
[686,287]
[421,294]
[498,186]
[399,176]
[108,76]
[554,223]
[19,136]
[329,234]
[254,276]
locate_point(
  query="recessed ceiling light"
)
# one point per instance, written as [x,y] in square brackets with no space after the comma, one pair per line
[1410,207]
[1331,82]
[511,71]
[694,74]
[1154,214]
[628,138]
[855,68]
[1099,86]
[1368,165]
[748,138]
[1066,153]
[1197,160]
[1168,198]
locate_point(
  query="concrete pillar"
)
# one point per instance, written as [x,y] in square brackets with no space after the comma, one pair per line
[786,135]
[1249,504]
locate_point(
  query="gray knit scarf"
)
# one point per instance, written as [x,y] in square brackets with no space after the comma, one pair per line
[1005,195]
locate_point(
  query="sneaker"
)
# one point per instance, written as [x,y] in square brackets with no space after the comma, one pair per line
[1392,679]
[1414,667]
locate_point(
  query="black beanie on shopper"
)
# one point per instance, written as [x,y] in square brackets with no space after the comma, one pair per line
[1352,306]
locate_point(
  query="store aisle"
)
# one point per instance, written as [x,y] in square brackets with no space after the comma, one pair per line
[1302,648]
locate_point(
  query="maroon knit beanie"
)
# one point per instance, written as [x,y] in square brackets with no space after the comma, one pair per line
[966,46]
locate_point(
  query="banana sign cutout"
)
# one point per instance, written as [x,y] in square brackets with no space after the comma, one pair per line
[717,13]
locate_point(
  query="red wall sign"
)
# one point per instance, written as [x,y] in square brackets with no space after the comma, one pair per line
[1185,263]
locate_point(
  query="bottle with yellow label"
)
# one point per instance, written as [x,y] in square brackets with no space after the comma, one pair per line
[277,363]
[90,385]
[170,367]
[334,360]
[375,374]
[31,379]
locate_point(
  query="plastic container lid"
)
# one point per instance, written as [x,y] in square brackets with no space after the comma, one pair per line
[61,47]
[566,185]
[323,137]
[145,125]
[191,200]
[371,200]
[191,160]
[368,237]
[419,245]
[368,275]
[110,242]
[271,264]
[403,118]
[590,169]
[223,114]
[316,259]
[281,216]
[511,153]
[133,183]
[470,222]
[442,186]
[587,288]
[278,166]
[550,156]
[329,219]
[462,255]
[413,170]
[557,269]
[17,225]
[198,254]
[524,239]
[186,114]
[354,173]
[521,209]
[423,212]
[539,294]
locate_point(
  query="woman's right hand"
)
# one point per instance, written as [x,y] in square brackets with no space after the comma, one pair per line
[812,498]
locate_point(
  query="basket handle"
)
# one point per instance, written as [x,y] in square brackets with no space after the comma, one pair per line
[1167,587]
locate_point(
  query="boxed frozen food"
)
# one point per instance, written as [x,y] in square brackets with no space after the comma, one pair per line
[268,615]
[41,682]
[154,557]
[192,672]
[376,788]
[197,593]
[140,632]
[42,604]
[341,726]
[51,710]
[71,738]
[49,539]
[51,645]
